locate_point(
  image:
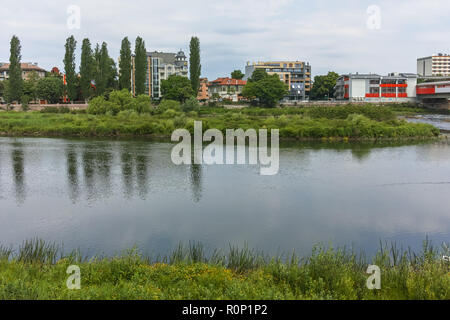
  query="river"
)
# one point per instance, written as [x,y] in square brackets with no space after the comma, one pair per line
[103,196]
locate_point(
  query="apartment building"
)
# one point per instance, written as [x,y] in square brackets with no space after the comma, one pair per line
[296,74]
[395,87]
[433,66]
[27,69]
[227,88]
[160,65]
[203,90]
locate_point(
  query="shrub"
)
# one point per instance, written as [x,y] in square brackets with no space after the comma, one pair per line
[169,104]
[191,104]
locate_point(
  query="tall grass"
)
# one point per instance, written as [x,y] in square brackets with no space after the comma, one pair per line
[193,272]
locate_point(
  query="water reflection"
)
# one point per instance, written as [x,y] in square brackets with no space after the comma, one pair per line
[196,181]
[17,158]
[105,196]
[72,173]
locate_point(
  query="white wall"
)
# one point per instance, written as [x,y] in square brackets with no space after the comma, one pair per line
[357,88]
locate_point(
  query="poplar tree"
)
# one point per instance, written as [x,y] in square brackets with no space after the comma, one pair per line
[69,68]
[140,65]
[194,63]
[14,88]
[87,68]
[125,65]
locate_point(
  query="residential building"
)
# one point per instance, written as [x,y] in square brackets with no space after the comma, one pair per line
[27,69]
[395,87]
[436,65]
[227,88]
[161,65]
[203,92]
[296,74]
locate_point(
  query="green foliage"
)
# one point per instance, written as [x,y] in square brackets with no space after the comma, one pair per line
[195,68]
[348,122]
[87,68]
[38,271]
[323,86]
[125,65]
[169,104]
[29,90]
[140,65]
[69,67]
[190,104]
[267,89]
[177,88]
[105,70]
[50,89]
[14,92]
[237,74]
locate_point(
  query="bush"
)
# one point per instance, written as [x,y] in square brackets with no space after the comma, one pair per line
[169,104]
[191,104]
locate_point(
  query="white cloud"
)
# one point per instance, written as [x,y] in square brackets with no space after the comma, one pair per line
[328,34]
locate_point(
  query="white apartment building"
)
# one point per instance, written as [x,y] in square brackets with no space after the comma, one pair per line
[436,65]
[395,87]
[161,65]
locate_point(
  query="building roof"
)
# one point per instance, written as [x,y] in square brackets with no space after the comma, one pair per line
[228,82]
[26,66]
[374,75]
[167,57]
[437,83]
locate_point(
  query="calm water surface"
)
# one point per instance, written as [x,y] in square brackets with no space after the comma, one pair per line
[103,196]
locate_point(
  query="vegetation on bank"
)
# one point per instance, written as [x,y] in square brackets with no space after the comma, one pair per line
[38,271]
[122,115]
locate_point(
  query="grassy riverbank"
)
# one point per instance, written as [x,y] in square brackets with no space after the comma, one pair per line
[37,272]
[345,122]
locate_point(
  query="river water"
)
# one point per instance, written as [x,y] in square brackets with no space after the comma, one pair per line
[103,196]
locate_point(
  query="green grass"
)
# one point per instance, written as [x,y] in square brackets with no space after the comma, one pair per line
[190,273]
[352,122]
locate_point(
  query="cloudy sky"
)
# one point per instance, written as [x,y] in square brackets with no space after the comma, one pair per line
[345,36]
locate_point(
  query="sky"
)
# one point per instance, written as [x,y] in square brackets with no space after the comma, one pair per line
[342,36]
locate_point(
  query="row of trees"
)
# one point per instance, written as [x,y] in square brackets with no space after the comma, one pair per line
[98,74]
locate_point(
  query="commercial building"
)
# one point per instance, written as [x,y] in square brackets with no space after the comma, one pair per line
[160,65]
[227,88]
[27,69]
[395,87]
[434,66]
[296,74]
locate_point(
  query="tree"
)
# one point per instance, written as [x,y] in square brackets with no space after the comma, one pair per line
[195,67]
[257,75]
[87,68]
[29,91]
[237,74]
[125,65]
[140,65]
[323,86]
[69,68]
[14,92]
[105,70]
[177,88]
[50,89]
[267,89]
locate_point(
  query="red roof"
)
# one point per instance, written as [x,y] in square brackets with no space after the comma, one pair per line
[227,82]
[25,66]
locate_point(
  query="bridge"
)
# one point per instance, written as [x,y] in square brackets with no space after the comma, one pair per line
[434,94]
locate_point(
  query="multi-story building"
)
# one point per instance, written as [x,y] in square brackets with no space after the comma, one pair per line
[226,88]
[203,91]
[27,69]
[395,87]
[436,65]
[296,74]
[160,65]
